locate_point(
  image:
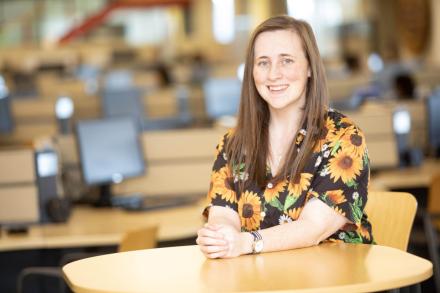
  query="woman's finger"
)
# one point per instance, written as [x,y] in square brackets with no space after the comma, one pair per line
[210,241]
[209,249]
[204,232]
[217,254]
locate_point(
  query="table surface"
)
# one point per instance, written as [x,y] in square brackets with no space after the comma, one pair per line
[330,267]
[90,226]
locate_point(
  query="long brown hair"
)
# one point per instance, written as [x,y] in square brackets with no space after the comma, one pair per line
[249,143]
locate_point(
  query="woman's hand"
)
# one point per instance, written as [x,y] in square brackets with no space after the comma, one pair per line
[222,241]
[211,242]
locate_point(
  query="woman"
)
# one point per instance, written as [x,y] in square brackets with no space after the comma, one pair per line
[293,173]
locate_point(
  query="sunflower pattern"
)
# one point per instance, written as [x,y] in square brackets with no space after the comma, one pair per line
[223,184]
[328,133]
[272,193]
[337,173]
[249,209]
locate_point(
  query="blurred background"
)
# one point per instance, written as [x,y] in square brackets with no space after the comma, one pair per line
[77,49]
[130,97]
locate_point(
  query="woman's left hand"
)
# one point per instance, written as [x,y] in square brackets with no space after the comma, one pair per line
[236,242]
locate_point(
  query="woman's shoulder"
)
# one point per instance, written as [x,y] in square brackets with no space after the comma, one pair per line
[228,134]
[224,140]
[340,121]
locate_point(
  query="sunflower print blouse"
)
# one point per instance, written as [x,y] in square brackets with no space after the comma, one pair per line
[337,173]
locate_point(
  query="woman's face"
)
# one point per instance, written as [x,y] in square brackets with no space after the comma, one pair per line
[280,70]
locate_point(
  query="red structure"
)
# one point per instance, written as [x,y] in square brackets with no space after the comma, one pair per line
[99,17]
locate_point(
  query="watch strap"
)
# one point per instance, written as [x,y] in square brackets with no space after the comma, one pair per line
[257,239]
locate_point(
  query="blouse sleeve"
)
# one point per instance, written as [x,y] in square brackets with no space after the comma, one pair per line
[342,177]
[222,189]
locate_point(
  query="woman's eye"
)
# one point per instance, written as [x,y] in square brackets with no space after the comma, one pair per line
[263,63]
[287,61]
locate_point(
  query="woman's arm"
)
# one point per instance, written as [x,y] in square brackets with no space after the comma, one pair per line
[316,223]
[221,237]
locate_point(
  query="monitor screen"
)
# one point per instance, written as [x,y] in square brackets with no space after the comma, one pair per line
[222,97]
[433,107]
[110,150]
[123,103]
[6,123]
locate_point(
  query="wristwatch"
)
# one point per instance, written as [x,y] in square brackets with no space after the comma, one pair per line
[257,245]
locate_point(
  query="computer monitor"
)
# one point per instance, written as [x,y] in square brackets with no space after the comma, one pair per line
[110,151]
[222,97]
[433,107]
[6,122]
[118,79]
[123,102]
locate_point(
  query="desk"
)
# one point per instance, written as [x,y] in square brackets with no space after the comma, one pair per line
[330,267]
[89,226]
[406,177]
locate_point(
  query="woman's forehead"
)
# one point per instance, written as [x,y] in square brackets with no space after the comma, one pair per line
[278,42]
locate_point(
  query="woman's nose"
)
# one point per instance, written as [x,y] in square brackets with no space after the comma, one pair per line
[275,72]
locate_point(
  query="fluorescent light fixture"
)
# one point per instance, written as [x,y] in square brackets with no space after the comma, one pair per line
[240,72]
[223,21]
[301,9]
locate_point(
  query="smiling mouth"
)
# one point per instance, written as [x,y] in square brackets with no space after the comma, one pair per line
[277,88]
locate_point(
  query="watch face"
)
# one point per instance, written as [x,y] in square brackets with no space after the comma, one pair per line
[258,246]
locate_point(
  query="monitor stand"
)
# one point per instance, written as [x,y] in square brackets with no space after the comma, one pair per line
[105,196]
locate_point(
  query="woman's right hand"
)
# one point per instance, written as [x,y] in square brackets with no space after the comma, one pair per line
[212,242]
[222,241]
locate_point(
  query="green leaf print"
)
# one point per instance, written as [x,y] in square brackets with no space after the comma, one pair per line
[290,200]
[336,147]
[356,212]
[237,170]
[276,204]
[326,199]
[358,201]
[352,183]
[353,237]
[366,161]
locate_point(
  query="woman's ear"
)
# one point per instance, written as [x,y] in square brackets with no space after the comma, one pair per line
[309,73]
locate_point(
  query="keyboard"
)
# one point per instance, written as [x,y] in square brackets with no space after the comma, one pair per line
[148,203]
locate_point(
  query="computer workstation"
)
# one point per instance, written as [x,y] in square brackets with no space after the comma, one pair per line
[110,151]
[222,100]
[120,98]
[413,174]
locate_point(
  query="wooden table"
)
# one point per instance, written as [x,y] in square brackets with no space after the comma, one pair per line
[331,267]
[90,226]
[410,177]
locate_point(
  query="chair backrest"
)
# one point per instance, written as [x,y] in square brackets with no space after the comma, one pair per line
[434,195]
[142,238]
[391,215]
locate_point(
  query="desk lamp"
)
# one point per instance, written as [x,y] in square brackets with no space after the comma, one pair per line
[64,110]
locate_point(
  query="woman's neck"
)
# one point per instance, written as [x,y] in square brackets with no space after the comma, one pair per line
[284,124]
[282,129]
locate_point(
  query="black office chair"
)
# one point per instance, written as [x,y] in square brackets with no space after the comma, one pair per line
[140,238]
[49,272]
